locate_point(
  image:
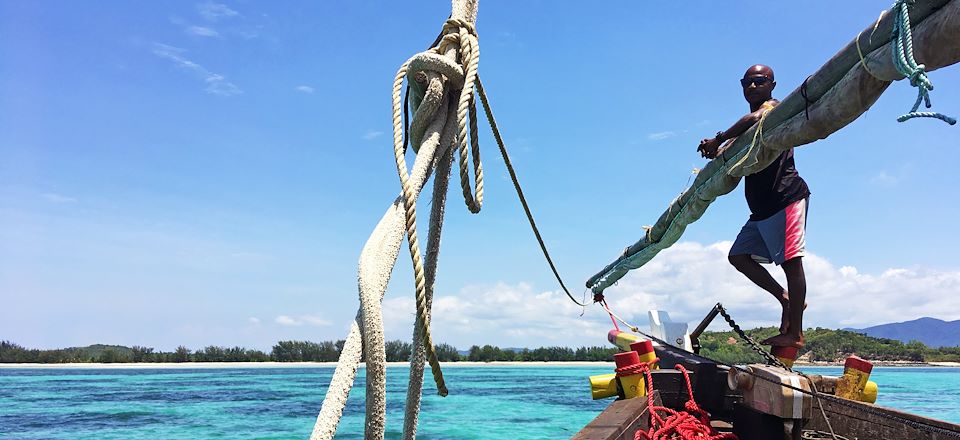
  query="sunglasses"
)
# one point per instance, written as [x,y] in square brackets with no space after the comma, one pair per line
[755,80]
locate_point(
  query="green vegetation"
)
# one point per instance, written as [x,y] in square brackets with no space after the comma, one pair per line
[823,345]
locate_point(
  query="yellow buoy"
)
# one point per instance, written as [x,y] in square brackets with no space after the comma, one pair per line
[603,386]
[870,392]
[856,374]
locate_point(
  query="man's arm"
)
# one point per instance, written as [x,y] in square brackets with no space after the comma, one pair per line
[708,147]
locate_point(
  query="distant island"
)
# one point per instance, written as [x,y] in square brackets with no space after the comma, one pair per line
[932,332]
[823,345]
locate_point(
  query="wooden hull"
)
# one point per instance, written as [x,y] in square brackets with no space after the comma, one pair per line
[864,421]
[849,419]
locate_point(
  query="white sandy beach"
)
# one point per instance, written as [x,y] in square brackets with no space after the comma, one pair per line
[945,364]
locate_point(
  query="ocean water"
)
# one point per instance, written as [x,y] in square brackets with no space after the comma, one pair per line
[487,402]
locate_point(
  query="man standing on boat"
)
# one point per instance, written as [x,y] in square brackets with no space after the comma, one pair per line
[778,198]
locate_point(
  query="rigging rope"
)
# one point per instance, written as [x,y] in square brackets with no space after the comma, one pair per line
[907,66]
[454,57]
[516,185]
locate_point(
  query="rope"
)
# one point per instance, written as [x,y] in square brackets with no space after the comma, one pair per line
[816,395]
[457,38]
[410,213]
[382,248]
[418,356]
[806,98]
[469,57]
[666,423]
[907,66]
[754,145]
[516,185]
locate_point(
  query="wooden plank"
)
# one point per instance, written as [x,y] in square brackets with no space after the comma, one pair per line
[620,420]
[860,420]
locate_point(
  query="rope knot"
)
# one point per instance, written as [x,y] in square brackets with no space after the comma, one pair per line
[455,24]
[919,78]
[906,65]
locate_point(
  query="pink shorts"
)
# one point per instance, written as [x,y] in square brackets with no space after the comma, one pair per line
[776,239]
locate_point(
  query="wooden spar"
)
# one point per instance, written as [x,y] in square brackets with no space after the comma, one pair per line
[839,77]
[830,73]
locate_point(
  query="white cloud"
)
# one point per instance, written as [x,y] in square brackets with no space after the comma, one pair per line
[201,31]
[686,280]
[371,135]
[217,84]
[305,89]
[216,11]
[689,278]
[315,321]
[884,179]
[659,136]
[507,315]
[289,321]
[254,320]
[58,198]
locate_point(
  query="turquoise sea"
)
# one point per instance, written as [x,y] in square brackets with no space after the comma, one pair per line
[486,402]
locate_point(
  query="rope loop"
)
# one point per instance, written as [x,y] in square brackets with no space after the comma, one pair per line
[453,24]
[902,46]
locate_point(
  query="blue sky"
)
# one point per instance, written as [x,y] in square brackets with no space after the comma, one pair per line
[205,173]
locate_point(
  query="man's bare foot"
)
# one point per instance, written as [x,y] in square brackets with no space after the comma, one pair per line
[784,341]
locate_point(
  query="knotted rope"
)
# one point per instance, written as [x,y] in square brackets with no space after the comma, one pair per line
[665,423]
[904,62]
[459,32]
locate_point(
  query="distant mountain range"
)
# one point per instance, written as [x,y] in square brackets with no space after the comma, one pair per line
[932,332]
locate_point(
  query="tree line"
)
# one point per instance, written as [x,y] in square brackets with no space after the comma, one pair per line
[821,345]
[288,351]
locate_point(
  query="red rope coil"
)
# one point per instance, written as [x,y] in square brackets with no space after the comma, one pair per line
[666,424]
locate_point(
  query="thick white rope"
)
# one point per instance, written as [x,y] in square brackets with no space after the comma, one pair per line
[377,259]
[380,253]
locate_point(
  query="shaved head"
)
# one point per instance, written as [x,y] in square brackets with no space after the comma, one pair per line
[759,69]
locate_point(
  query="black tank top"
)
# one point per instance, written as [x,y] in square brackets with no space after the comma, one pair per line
[775,188]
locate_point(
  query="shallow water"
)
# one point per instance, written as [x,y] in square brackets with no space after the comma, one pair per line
[488,402]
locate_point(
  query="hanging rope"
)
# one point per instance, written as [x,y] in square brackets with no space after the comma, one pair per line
[907,66]
[757,143]
[516,186]
[460,32]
